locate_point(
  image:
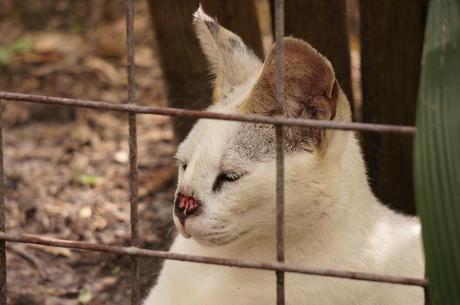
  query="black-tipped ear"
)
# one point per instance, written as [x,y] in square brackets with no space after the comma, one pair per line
[232,62]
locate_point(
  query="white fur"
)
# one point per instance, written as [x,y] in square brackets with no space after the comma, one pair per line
[333,221]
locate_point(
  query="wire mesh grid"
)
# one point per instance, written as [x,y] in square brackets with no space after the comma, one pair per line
[132,109]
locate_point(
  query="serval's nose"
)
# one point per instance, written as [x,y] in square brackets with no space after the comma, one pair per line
[185,206]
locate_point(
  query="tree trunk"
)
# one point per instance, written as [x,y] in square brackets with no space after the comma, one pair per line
[323,24]
[183,64]
[392,34]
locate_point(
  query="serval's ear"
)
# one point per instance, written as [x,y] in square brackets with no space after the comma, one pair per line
[232,62]
[311,90]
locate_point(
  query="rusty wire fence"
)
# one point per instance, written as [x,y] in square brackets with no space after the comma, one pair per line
[279,267]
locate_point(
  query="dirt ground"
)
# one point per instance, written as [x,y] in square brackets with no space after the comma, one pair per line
[67,170]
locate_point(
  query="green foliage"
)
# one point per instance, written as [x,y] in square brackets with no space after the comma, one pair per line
[437,151]
[87,179]
[19,46]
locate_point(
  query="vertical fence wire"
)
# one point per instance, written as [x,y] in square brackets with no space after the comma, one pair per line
[133,173]
[279,77]
[2,217]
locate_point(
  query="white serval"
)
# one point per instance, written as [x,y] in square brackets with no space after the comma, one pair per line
[225,199]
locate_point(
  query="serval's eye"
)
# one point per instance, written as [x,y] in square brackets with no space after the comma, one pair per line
[225,177]
[184,166]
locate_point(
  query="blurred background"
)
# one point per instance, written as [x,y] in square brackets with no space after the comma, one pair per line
[66,168]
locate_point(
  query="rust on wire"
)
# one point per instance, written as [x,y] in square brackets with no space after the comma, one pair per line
[2,217]
[279,93]
[176,112]
[134,251]
[133,171]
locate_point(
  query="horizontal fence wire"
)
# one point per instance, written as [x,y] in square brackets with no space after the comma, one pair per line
[275,266]
[176,112]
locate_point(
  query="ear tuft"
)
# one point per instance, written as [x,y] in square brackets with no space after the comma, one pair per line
[200,18]
[200,14]
[232,63]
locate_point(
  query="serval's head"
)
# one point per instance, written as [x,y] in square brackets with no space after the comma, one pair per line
[226,187]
